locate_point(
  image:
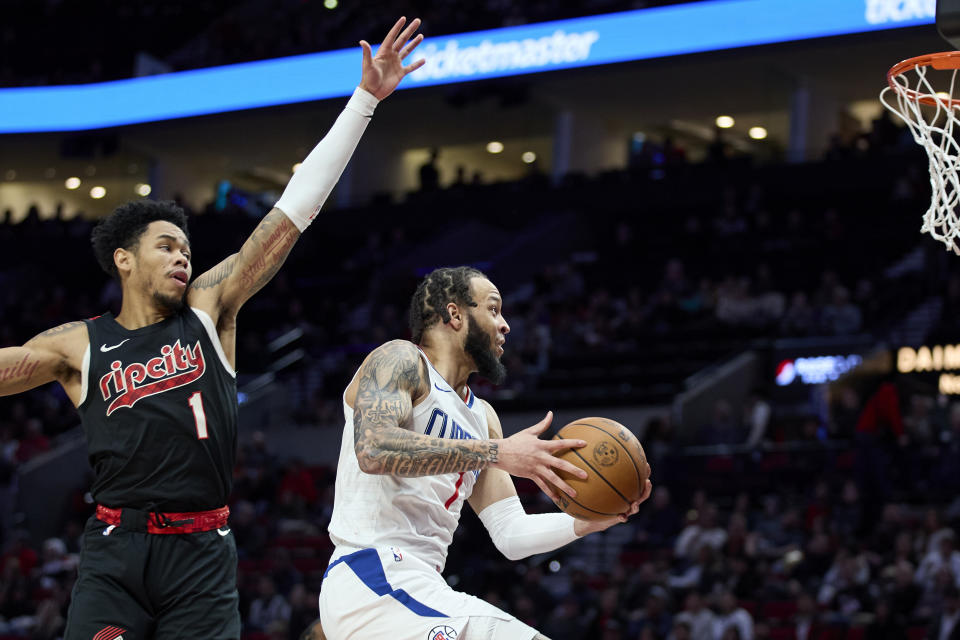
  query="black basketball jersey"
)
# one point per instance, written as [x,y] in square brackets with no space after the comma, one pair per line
[160,414]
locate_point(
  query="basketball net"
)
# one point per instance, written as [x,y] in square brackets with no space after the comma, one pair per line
[931,115]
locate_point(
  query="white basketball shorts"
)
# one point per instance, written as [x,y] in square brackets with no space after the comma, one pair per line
[385,593]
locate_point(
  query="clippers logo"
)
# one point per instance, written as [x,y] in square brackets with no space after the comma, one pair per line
[442,632]
[177,366]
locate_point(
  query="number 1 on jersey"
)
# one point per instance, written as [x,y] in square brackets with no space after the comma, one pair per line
[196,403]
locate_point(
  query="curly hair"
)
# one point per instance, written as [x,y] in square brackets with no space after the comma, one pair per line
[441,287]
[122,228]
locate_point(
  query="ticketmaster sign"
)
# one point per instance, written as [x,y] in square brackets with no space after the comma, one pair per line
[633,35]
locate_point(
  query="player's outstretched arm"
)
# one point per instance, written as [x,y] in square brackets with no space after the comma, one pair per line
[55,354]
[225,288]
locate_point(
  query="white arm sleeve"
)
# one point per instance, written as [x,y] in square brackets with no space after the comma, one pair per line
[318,173]
[518,534]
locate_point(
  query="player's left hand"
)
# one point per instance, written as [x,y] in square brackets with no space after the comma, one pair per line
[583,527]
[384,71]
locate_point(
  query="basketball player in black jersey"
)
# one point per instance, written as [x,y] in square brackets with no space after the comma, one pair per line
[156,393]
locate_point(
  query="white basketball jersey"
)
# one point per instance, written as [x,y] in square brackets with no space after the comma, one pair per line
[417,515]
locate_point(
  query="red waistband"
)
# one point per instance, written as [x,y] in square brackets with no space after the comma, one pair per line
[165,522]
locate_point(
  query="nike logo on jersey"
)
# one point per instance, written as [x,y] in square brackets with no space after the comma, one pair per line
[224,532]
[439,388]
[104,348]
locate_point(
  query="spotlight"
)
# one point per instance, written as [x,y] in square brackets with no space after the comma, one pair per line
[72,182]
[494,146]
[725,122]
[529,157]
[757,133]
[143,189]
[97,192]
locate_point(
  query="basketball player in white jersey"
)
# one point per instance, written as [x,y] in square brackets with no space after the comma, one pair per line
[416,445]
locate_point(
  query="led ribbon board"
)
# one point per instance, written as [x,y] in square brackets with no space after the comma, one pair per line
[634,35]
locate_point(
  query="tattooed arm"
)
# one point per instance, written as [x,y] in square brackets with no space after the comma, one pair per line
[223,289]
[55,354]
[389,382]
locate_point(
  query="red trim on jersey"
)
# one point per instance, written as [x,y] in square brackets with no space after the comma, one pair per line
[197,520]
[456,492]
[109,633]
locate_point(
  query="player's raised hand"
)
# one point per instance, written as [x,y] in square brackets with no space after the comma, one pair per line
[583,527]
[525,455]
[384,71]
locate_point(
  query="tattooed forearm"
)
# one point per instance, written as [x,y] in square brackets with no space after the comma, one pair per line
[215,276]
[266,249]
[384,404]
[404,453]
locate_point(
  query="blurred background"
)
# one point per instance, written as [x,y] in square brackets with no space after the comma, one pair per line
[706,230]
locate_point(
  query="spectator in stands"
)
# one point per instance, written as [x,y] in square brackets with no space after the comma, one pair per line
[840,316]
[800,318]
[756,416]
[945,625]
[884,625]
[654,619]
[698,618]
[567,622]
[731,616]
[944,558]
[702,529]
[658,524]
[724,428]
[429,174]
[682,631]
[268,607]
[878,432]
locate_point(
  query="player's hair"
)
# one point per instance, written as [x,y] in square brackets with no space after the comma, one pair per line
[441,287]
[122,228]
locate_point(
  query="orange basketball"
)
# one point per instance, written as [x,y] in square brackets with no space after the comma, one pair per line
[616,467]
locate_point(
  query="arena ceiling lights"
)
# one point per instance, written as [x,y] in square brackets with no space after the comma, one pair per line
[547,46]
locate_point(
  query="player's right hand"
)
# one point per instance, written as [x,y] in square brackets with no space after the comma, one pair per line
[525,455]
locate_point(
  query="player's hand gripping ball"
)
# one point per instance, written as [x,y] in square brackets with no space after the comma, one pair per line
[616,467]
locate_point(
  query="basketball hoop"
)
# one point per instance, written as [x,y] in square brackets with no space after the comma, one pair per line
[932,116]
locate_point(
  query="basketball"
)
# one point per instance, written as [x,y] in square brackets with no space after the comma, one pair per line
[616,467]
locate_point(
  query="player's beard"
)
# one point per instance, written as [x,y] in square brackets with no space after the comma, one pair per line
[169,303]
[477,345]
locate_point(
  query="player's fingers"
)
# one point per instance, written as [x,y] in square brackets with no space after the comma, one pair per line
[410,68]
[541,426]
[546,488]
[407,50]
[392,34]
[557,445]
[647,490]
[367,53]
[569,467]
[558,482]
[406,35]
